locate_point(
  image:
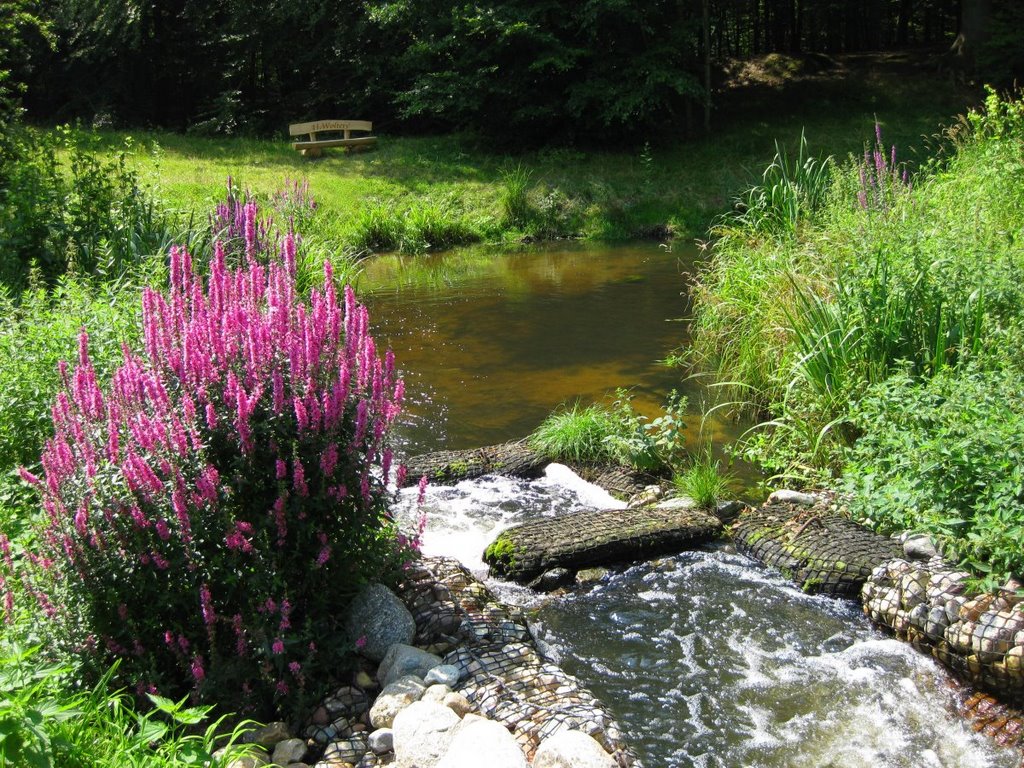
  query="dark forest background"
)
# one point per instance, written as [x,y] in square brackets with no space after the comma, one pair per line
[538,70]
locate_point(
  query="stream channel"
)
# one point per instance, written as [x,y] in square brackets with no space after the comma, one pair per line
[706,658]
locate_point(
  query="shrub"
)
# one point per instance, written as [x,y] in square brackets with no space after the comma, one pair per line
[946,457]
[36,331]
[86,212]
[209,513]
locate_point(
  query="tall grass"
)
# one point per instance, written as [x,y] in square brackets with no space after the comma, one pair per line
[898,293]
[791,190]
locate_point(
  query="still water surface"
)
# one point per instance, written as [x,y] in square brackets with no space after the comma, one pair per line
[706,658]
[490,344]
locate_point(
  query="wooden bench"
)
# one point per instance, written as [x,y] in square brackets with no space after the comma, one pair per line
[312,145]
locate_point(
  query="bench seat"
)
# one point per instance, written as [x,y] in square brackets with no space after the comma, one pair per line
[311,144]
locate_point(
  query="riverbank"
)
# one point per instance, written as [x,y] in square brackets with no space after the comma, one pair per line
[873,321]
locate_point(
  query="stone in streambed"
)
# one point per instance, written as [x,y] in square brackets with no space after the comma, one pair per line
[402,660]
[477,736]
[571,749]
[422,732]
[393,699]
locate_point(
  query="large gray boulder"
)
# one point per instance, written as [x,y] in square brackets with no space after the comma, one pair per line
[571,749]
[422,732]
[402,660]
[476,741]
[393,699]
[377,620]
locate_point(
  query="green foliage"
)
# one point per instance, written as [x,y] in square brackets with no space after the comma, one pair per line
[945,456]
[615,433]
[578,435]
[23,31]
[68,207]
[704,481]
[789,192]
[517,211]
[892,323]
[382,226]
[46,724]
[36,332]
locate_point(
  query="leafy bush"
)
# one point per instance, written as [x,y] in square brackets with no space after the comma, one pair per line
[36,332]
[67,207]
[43,725]
[208,514]
[946,457]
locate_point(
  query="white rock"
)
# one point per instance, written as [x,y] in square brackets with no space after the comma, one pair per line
[571,749]
[435,693]
[402,660]
[393,699]
[377,615]
[476,741]
[422,732]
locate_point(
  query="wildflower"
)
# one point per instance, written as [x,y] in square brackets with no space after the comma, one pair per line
[360,642]
[278,646]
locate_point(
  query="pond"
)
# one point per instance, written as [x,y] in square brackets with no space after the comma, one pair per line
[706,658]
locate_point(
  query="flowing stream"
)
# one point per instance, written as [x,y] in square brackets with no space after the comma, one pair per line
[706,658]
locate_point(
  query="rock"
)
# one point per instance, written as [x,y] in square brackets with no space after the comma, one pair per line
[445,674]
[382,741]
[348,701]
[728,511]
[320,716]
[393,699]
[551,580]
[785,496]
[257,758]
[591,575]
[647,496]
[402,660]
[458,704]
[289,751]
[422,732]
[379,616]
[435,693]
[476,737]
[920,547]
[571,749]
[676,503]
[267,735]
[350,750]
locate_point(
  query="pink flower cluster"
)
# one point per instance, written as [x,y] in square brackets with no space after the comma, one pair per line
[247,441]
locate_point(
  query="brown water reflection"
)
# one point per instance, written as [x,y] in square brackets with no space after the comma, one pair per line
[491,342]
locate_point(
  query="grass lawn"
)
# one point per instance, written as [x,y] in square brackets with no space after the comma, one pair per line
[605,194]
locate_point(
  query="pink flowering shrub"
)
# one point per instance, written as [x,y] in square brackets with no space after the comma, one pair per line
[209,513]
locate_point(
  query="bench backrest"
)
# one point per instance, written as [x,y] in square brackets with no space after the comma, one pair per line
[302,129]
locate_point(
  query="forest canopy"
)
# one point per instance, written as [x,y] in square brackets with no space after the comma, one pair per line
[533,70]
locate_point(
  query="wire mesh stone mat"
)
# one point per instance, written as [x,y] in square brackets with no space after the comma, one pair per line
[820,549]
[594,538]
[513,459]
[1001,723]
[504,675]
[980,637]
